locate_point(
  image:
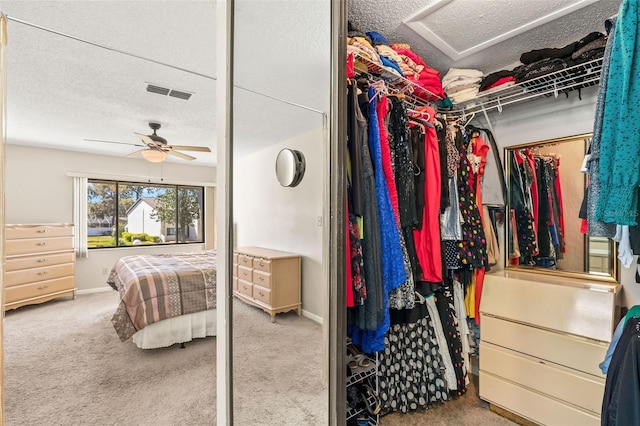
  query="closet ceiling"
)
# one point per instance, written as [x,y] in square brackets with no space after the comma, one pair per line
[62,91]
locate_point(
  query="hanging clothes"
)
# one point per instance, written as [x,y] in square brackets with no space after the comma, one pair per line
[427,238]
[619,150]
[393,267]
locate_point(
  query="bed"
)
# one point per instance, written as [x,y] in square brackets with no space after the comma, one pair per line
[165,298]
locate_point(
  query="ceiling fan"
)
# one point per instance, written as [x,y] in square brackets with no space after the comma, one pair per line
[157,149]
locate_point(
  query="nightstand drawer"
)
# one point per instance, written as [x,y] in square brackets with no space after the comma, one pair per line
[37,245]
[13,232]
[262,294]
[43,288]
[37,274]
[262,264]
[262,279]
[26,262]
[245,288]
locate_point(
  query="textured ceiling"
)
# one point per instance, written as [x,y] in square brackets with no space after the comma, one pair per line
[463,21]
[62,91]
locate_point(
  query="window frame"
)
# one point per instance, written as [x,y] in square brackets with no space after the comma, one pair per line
[176,187]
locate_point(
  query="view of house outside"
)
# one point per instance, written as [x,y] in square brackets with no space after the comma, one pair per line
[121,214]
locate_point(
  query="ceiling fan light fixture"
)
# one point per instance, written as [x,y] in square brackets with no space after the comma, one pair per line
[154,155]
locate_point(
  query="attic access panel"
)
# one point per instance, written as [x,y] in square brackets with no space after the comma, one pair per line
[460,28]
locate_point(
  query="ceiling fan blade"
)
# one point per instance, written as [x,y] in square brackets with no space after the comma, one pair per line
[119,143]
[135,153]
[146,139]
[180,155]
[190,148]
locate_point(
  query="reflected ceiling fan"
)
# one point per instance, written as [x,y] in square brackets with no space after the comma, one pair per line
[157,149]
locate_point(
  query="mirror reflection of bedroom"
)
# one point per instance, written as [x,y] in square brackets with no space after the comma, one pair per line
[278,284]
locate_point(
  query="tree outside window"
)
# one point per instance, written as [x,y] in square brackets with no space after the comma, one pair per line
[124,214]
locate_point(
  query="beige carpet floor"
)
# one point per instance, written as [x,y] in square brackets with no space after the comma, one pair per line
[64,365]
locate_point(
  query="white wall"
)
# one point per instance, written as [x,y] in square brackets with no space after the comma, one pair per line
[38,190]
[269,215]
[543,119]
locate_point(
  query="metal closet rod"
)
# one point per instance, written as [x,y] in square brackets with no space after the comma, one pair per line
[102,46]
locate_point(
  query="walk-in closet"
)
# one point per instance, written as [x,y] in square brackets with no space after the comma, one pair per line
[483,266]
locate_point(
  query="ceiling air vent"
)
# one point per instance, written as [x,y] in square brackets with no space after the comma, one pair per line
[179,94]
[165,91]
[157,89]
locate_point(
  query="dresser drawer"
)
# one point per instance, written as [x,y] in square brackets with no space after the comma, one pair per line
[565,384]
[262,294]
[26,262]
[37,245]
[245,288]
[25,276]
[262,278]
[555,347]
[245,273]
[532,405]
[262,264]
[37,231]
[244,260]
[42,288]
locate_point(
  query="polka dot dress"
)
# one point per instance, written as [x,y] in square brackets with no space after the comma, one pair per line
[410,372]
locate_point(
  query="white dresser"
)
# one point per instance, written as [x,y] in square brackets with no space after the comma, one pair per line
[39,263]
[268,279]
[542,338]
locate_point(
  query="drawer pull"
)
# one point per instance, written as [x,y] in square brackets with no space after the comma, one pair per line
[261,278]
[42,231]
[42,287]
[44,259]
[261,293]
[261,262]
[44,243]
[42,273]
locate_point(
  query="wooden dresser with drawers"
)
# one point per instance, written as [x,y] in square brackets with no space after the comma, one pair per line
[39,264]
[268,279]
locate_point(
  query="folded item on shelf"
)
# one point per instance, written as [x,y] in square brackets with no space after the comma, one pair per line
[598,43]
[490,79]
[455,74]
[360,46]
[540,68]
[377,38]
[502,82]
[538,55]
[464,95]
[419,73]
[460,87]
[389,53]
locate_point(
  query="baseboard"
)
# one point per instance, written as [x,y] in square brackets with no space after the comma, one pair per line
[312,317]
[94,290]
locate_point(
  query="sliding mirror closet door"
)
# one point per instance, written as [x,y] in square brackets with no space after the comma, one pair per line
[281,87]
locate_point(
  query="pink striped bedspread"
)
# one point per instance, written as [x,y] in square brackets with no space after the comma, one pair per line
[156,287]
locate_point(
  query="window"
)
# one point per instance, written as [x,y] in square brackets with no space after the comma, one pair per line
[122,214]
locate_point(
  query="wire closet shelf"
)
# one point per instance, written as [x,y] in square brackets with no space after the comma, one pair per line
[553,84]
[413,93]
